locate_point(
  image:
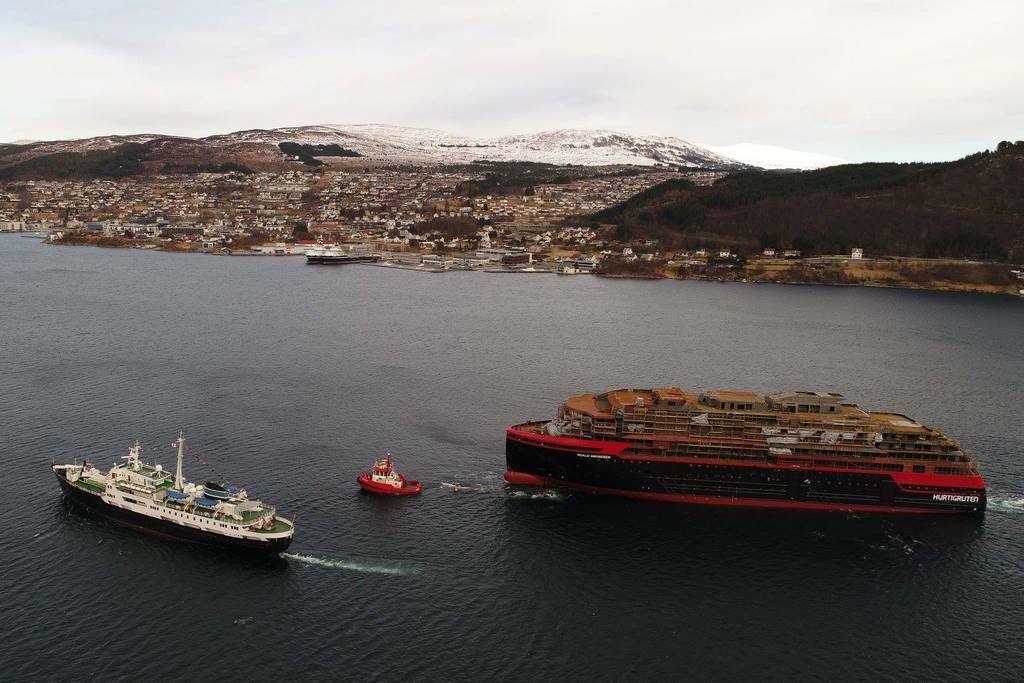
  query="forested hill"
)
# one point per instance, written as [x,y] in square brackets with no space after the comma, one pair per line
[973,207]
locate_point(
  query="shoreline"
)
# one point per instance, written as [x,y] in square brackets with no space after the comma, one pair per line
[892,283]
[965,288]
[910,286]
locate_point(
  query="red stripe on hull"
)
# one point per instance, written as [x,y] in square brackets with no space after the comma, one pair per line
[941,482]
[566,443]
[525,479]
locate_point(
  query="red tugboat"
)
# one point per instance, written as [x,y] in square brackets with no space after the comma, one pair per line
[383,480]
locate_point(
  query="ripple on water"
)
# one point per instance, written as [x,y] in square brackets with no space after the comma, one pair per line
[1011,504]
[354,565]
[290,380]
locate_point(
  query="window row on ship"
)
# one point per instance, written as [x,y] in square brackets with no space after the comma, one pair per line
[671,421]
[202,518]
[840,478]
[711,450]
[896,448]
[849,464]
[861,437]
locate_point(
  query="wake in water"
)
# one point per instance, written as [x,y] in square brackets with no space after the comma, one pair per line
[501,489]
[542,494]
[457,487]
[350,565]
[1005,504]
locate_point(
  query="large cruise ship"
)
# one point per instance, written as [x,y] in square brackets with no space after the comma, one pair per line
[799,449]
[148,498]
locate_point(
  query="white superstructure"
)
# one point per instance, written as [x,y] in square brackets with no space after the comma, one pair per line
[150,491]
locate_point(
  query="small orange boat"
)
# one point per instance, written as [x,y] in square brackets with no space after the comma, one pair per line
[383,480]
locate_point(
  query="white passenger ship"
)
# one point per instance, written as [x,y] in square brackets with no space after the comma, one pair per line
[148,498]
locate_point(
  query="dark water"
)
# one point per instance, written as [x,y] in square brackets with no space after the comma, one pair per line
[290,379]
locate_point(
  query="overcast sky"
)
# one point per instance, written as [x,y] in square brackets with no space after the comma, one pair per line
[860,79]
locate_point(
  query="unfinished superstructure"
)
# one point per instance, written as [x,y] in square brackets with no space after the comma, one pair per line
[796,448]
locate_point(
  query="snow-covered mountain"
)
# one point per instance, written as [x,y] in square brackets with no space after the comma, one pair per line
[422,145]
[427,146]
[767,156]
[583,147]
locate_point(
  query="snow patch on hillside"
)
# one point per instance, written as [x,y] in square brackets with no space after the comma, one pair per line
[569,146]
[768,156]
[428,146]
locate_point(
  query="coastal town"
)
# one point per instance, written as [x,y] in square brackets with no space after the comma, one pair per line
[430,217]
[435,219]
[346,205]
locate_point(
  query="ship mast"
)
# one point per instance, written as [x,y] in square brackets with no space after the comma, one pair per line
[133,455]
[178,481]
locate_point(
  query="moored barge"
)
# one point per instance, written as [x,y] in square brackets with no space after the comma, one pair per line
[799,449]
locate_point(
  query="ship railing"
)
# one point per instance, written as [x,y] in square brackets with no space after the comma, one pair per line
[133,488]
[193,509]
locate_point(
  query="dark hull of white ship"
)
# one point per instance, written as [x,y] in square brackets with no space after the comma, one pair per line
[340,260]
[159,527]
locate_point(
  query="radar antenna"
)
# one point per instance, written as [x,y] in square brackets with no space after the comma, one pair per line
[133,455]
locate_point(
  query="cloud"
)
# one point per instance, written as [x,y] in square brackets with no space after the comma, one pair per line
[859,79]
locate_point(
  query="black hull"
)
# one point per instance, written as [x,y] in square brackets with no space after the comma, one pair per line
[726,484]
[340,261]
[133,520]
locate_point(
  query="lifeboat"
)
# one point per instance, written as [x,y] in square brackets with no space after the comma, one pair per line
[383,480]
[212,489]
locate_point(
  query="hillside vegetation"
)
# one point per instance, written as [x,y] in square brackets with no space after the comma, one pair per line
[116,162]
[307,153]
[973,207]
[521,177]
